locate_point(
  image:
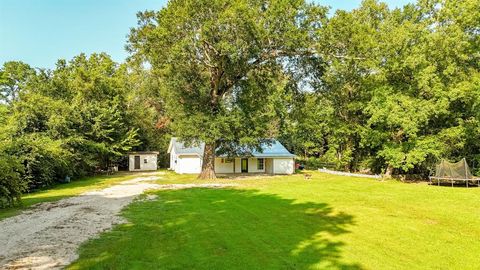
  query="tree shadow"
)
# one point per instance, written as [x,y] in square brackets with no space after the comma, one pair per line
[203,228]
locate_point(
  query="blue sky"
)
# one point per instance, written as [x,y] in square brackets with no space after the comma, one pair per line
[39,32]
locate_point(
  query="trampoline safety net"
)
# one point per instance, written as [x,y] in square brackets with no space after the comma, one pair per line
[458,170]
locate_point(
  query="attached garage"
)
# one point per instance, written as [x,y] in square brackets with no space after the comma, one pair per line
[283,166]
[185,159]
[188,164]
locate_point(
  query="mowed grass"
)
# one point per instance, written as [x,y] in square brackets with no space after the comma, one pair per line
[61,191]
[329,222]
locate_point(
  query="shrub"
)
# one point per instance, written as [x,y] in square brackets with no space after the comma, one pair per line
[313,163]
[46,161]
[11,184]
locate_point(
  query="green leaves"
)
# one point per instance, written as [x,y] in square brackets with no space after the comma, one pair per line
[69,121]
[402,84]
[221,63]
[11,184]
[14,77]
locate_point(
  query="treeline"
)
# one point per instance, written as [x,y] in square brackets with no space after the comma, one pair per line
[394,91]
[376,89]
[74,120]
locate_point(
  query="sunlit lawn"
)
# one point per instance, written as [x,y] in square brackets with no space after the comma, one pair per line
[61,191]
[329,222]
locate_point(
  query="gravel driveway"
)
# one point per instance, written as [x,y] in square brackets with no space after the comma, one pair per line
[48,235]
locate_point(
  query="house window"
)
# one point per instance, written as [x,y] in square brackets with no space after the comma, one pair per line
[260,162]
[145,160]
[226,160]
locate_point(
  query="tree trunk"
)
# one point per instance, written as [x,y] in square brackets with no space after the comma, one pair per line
[208,164]
[389,171]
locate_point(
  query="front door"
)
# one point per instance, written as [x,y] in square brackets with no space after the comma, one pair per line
[137,163]
[244,165]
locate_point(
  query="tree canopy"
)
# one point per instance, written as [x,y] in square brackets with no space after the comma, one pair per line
[221,65]
[75,120]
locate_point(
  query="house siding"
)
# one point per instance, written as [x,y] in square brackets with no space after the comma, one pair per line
[188,164]
[173,158]
[283,166]
[238,165]
[252,166]
[223,167]
[269,165]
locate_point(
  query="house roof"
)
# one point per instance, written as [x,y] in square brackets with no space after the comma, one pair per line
[273,149]
[181,149]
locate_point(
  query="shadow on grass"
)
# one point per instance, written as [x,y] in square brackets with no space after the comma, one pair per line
[221,229]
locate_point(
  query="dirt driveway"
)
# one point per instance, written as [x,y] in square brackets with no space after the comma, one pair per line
[48,235]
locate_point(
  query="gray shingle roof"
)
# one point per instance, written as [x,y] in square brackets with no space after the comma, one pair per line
[275,149]
[180,148]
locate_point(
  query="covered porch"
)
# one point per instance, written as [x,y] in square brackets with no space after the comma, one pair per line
[244,165]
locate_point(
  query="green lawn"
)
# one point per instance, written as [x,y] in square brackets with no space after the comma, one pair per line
[329,222]
[61,191]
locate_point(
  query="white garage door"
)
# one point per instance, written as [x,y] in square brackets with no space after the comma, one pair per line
[188,164]
[283,166]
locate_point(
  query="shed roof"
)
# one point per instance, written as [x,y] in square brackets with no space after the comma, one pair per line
[144,153]
[273,149]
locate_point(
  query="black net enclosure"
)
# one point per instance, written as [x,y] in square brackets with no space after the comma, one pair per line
[457,170]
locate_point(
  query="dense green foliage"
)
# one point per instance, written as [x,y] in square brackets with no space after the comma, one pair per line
[285,222]
[373,89]
[77,119]
[398,90]
[11,184]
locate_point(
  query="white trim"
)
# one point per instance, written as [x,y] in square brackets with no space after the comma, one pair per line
[189,154]
[170,146]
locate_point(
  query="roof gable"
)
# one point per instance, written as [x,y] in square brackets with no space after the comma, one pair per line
[181,149]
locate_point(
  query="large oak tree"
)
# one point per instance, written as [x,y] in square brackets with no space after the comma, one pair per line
[222,66]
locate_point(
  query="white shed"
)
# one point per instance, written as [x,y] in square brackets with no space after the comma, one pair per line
[142,161]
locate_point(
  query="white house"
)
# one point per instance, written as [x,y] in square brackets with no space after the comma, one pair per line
[273,159]
[142,161]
